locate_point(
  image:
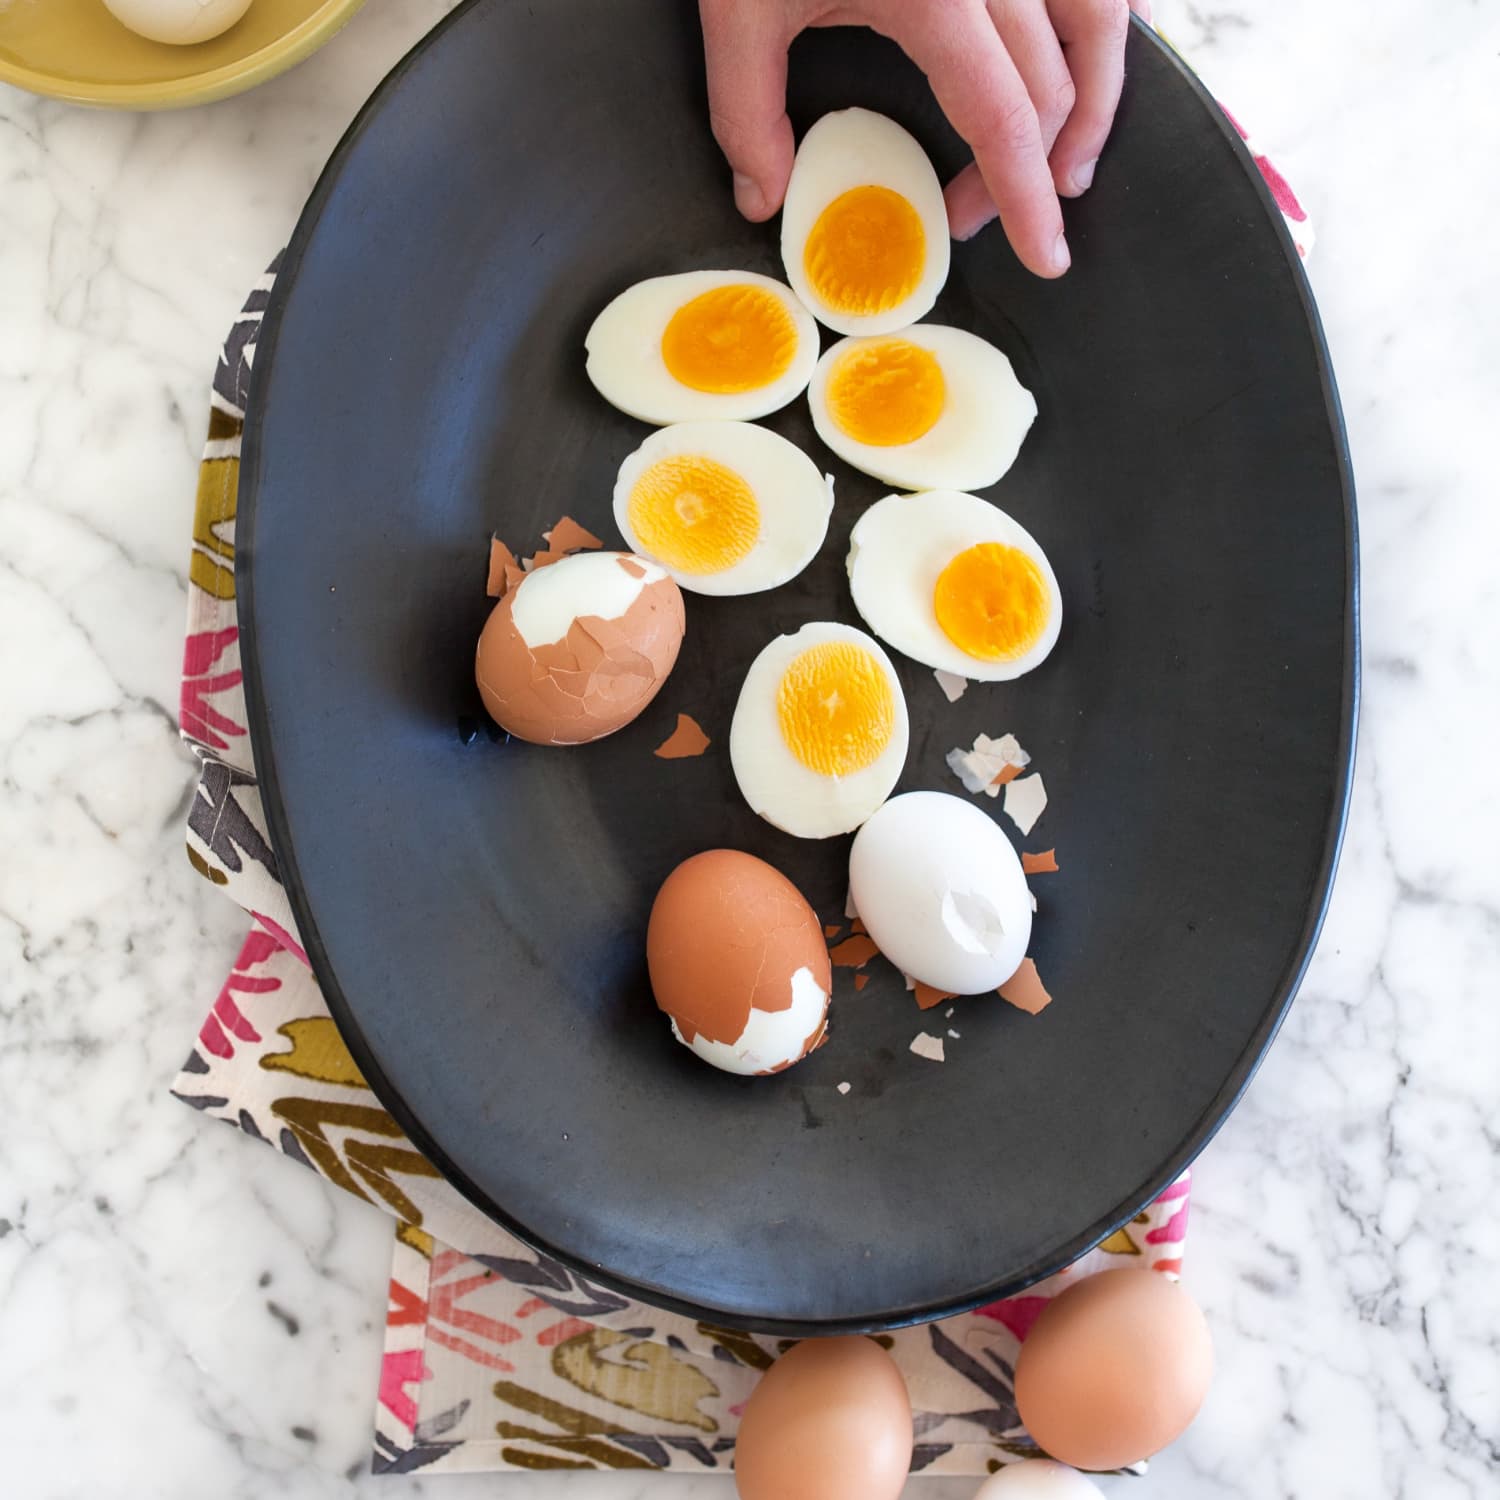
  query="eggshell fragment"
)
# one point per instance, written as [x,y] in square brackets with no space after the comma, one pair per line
[1025,802]
[684,742]
[830,1420]
[854,952]
[930,1047]
[861,980]
[1040,864]
[505,572]
[568,536]
[927,996]
[737,961]
[988,764]
[1024,989]
[952,684]
[1114,1369]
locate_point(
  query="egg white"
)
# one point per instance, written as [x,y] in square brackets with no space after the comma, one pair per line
[896,552]
[773,781]
[795,500]
[626,366]
[941,892]
[986,415]
[858,148]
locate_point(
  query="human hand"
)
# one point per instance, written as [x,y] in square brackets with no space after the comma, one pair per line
[1031,85]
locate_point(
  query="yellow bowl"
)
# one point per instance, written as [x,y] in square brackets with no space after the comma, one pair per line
[76,50]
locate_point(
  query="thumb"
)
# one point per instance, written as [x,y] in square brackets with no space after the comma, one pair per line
[744,48]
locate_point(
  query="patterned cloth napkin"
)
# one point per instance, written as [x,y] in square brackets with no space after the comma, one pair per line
[496,1356]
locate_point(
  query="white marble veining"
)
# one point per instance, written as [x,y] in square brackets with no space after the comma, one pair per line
[184,1314]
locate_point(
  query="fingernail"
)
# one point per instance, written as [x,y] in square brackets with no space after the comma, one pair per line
[748,196]
[1061,260]
[1083,176]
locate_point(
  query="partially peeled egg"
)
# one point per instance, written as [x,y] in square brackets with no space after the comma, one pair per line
[738,963]
[579,647]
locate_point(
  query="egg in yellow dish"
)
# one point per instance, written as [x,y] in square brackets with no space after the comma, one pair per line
[724,507]
[702,344]
[864,231]
[820,730]
[954,582]
[927,408]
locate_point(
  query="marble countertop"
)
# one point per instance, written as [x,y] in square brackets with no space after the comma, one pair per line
[182,1314]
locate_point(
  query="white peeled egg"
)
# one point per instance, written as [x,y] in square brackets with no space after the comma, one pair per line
[702,344]
[864,232]
[955,583]
[178,22]
[941,892]
[724,507]
[927,408]
[1038,1479]
[820,730]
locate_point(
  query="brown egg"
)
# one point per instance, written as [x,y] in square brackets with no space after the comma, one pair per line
[579,647]
[738,962]
[1114,1369]
[830,1420]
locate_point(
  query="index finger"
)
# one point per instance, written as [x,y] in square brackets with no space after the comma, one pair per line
[981,92]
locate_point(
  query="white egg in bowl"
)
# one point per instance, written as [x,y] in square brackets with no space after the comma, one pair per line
[724,507]
[941,892]
[819,735]
[954,582]
[702,344]
[924,409]
[864,231]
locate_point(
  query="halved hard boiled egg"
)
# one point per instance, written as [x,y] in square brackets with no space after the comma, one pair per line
[864,233]
[952,581]
[726,344]
[820,730]
[724,507]
[927,408]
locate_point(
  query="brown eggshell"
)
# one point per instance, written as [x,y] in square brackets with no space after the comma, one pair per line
[830,1420]
[727,932]
[593,681]
[1114,1369]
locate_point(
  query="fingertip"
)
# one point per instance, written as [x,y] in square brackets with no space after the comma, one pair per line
[970,206]
[1074,181]
[749,198]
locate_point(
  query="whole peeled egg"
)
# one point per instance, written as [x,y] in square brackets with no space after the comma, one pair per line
[1038,1479]
[738,963]
[941,892]
[1114,1369]
[178,22]
[830,1420]
[579,647]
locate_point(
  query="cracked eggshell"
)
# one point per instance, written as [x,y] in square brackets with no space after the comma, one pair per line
[578,648]
[738,963]
[941,892]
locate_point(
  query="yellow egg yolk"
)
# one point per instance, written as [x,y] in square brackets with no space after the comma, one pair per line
[694,514]
[992,602]
[731,339]
[886,392]
[866,252]
[836,709]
